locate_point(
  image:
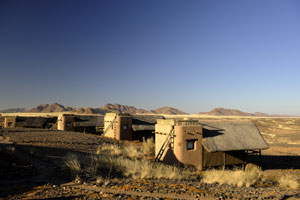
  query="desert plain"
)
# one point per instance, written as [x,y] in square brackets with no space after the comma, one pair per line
[50,164]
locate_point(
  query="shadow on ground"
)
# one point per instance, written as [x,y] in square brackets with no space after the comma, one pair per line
[280,162]
[24,167]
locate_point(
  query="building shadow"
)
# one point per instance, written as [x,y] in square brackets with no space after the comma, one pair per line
[280,162]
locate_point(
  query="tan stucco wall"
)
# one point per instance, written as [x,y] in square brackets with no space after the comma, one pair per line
[117,130]
[177,151]
[184,134]
[161,133]
[108,118]
[65,122]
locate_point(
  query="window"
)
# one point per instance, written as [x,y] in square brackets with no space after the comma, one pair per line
[190,144]
[9,124]
[125,127]
[68,124]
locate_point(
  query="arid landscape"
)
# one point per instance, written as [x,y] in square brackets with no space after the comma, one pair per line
[51,164]
[131,99]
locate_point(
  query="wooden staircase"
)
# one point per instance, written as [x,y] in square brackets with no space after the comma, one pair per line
[169,139]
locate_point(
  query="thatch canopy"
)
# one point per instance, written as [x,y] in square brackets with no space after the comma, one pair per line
[143,127]
[88,121]
[144,122]
[145,119]
[231,136]
[37,122]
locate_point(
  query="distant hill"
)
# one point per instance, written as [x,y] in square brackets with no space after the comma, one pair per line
[123,108]
[234,112]
[88,110]
[132,110]
[46,108]
[169,111]
[13,110]
[228,112]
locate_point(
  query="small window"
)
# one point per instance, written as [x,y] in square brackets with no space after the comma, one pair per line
[125,127]
[9,124]
[190,144]
[68,124]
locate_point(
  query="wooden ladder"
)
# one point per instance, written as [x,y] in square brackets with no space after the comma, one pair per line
[165,144]
[109,126]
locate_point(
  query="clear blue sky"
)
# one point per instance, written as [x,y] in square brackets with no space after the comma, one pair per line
[192,55]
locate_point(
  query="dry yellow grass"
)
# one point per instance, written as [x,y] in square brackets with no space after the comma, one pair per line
[233,177]
[288,181]
[129,162]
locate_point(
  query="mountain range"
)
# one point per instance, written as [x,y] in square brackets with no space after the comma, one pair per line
[46,108]
[55,107]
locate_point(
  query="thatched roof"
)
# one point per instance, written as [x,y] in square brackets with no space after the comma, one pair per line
[38,122]
[144,122]
[143,127]
[87,121]
[231,135]
[145,119]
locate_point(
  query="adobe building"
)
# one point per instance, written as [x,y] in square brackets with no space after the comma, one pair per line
[26,122]
[205,144]
[80,123]
[124,126]
[9,122]
[65,122]
[36,122]
[118,126]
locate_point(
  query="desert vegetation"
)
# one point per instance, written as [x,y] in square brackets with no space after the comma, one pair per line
[112,160]
[247,178]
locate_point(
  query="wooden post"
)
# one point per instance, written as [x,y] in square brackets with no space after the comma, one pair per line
[224,161]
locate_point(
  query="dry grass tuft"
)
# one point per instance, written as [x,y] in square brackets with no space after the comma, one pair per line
[233,177]
[111,149]
[73,163]
[288,181]
[132,152]
[129,151]
[148,147]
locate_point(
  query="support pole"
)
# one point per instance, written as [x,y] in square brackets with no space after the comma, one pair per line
[224,161]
